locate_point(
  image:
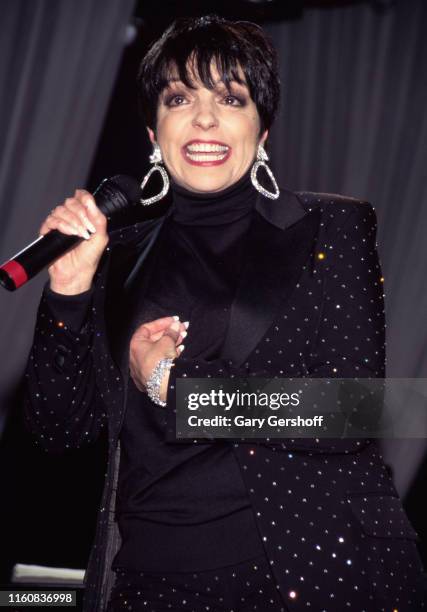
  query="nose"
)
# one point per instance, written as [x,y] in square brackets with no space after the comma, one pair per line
[205,116]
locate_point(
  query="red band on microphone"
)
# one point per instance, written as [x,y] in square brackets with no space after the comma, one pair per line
[16,272]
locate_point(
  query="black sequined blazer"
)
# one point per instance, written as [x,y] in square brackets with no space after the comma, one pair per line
[309,304]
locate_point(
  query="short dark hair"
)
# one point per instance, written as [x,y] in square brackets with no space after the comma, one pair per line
[202,39]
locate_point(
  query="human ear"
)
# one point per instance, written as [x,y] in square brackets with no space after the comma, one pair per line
[263,137]
[151,135]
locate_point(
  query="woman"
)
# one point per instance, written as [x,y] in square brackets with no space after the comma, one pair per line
[260,282]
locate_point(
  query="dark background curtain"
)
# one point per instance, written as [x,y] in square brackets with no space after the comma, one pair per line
[352,121]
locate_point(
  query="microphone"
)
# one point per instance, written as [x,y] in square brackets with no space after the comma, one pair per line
[111,196]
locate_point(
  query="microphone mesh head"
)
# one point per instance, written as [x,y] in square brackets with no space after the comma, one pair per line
[128,185]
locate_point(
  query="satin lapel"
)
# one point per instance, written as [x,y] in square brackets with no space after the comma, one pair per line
[127,282]
[275,257]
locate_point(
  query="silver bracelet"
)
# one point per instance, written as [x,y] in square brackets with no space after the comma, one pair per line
[156,377]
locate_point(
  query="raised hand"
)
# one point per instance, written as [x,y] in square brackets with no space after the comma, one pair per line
[73,272]
[152,341]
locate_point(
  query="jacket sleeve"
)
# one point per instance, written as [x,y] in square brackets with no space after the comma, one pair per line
[350,337]
[350,340]
[62,408]
[72,310]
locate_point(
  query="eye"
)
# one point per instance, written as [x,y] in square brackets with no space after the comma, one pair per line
[174,100]
[233,101]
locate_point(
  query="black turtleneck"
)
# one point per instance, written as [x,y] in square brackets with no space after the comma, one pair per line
[227,206]
[185,507]
[198,257]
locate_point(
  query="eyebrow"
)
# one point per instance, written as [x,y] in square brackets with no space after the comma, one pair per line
[217,84]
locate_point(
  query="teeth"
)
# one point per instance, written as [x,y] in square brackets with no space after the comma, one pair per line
[205,157]
[207,148]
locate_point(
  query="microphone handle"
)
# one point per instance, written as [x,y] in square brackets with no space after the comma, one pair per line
[31,260]
[23,266]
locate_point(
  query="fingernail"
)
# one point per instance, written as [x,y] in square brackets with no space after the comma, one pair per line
[175,326]
[176,317]
[186,324]
[183,334]
[181,347]
[90,225]
[85,234]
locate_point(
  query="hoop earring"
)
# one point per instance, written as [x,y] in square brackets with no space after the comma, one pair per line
[262,158]
[156,159]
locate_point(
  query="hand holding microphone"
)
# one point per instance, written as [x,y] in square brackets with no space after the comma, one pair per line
[78,216]
[67,226]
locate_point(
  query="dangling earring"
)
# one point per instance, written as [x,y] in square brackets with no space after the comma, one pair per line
[156,159]
[262,157]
